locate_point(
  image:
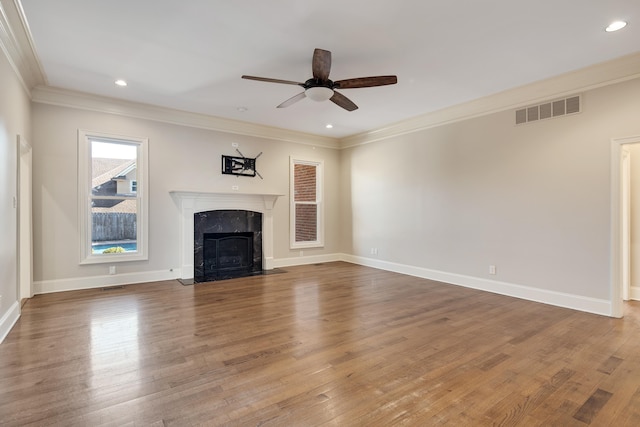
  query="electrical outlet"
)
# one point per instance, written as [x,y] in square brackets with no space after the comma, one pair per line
[492,269]
[235,187]
[112,269]
[235,144]
[374,251]
[301,253]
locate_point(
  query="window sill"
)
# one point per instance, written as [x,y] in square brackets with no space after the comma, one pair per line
[306,245]
[113,258]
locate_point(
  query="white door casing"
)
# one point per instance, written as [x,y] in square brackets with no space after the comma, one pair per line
[25,231]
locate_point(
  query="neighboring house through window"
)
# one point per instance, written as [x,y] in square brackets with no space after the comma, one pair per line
[307,209]
[113,201]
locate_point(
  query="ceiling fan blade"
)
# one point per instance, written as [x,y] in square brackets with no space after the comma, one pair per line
[269,80]
[321,65]
[292,100]
[366,82]
[342,101]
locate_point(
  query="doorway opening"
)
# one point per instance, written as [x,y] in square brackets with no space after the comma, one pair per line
[624,153]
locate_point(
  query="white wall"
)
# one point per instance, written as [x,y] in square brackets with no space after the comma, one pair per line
[533,200]
[14,121]
[443,203]
[180,158]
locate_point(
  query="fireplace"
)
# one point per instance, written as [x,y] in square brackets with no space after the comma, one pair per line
[193,202]
[227,255]
[227,244]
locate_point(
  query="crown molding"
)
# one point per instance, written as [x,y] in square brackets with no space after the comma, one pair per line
[17,45]
[84,101]
[599,75]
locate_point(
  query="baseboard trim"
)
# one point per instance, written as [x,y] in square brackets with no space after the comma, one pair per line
[73,284]
[78,283]
[559,299]
[634,293]
[8,320]
[305,260]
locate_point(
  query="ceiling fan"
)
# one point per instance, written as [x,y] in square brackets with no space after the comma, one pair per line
[320,88]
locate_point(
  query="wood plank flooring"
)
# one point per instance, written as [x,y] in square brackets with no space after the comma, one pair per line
[334,344]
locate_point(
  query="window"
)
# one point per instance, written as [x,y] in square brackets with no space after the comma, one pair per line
[307,213]
[112,177]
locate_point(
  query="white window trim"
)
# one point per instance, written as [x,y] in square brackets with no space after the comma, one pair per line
[84,199]
[319,242]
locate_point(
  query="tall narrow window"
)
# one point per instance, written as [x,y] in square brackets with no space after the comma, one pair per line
[113,199]
[307,213]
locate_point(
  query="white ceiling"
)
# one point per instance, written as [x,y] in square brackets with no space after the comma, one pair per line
[189,55]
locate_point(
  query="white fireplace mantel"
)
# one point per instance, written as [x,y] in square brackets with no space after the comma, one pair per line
[191,202]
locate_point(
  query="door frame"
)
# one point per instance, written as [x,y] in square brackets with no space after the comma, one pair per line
[625,230]
[25,221]
[619,256]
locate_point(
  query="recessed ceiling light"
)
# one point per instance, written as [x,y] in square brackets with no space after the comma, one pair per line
[615,26]
[120,83]
[329,126]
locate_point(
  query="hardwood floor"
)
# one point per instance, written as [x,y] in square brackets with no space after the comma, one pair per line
[331,344]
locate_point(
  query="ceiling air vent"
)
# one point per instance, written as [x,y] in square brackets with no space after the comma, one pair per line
[557,108]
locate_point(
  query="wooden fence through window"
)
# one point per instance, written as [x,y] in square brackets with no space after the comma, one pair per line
[108,226]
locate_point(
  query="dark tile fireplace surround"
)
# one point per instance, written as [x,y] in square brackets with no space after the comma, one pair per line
[227,244]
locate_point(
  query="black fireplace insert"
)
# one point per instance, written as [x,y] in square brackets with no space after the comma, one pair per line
[227,255]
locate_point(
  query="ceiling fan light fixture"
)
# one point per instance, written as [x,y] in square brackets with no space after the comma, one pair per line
[320,88]
[319,93]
